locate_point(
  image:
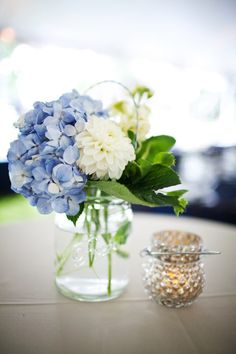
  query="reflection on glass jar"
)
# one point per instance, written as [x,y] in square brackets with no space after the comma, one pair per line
[91,256]
[173,273]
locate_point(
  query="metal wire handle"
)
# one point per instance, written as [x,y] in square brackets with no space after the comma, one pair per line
[136,105]
[204,252]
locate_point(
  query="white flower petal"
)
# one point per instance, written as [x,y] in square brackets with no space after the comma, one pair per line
[53,188]
[104,150]
[69,130]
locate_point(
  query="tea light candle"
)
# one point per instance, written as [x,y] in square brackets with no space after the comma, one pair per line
[174,278]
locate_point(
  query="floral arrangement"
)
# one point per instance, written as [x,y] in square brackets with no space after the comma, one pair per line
[71,144]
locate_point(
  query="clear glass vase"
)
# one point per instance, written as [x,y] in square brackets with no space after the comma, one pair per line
[91,256]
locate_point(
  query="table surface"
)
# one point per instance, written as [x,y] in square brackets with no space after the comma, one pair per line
[35,318]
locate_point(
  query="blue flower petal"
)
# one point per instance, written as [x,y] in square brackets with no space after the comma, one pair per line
[62,173]
[39,173]
[71,154]
[17,149]
[45,153]
[43,206]
[73,207]
[60,205]
[65,141]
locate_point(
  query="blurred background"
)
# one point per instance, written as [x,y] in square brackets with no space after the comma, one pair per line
[185,51]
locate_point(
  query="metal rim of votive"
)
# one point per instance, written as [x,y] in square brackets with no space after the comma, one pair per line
[204,252]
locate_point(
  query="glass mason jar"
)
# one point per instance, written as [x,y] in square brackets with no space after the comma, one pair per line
[172,276]
[91,256]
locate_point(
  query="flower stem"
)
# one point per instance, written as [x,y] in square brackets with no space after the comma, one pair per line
[109,273]
[96,222]
[87,224]
[92,226]
[110,251]
[62,259]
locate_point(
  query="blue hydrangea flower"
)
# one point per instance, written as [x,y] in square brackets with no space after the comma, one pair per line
[42,161]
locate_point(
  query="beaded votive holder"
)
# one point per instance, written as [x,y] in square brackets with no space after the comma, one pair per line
[173,271]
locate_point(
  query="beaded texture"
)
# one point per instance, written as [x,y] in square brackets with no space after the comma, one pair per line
[174,280]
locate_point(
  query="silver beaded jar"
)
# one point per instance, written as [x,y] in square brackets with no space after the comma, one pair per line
[172,276]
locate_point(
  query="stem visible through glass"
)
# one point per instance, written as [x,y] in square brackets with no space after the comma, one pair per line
[96,224]
[109,272]
[110,251]
[92,224]
[62,259]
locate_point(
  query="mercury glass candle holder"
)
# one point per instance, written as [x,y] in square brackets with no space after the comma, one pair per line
[173,271]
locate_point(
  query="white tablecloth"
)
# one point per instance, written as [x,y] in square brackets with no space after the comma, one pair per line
[35,318]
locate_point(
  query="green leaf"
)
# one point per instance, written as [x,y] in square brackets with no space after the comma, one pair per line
[157,177]
[143,192]
[118,190]
[162,199]
[106,237]
[132,137]
[165,158]
[181,207]
[132,172]
[177,193]
[122,253]
[182,202]
[74,218]
[154,145]
[144,165]
[122,233]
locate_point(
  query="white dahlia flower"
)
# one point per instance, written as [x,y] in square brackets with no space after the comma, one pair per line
[104,149]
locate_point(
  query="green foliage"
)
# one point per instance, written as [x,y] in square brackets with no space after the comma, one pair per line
[156,177]
[132,137]
[151,147]
[74,218]
[122,233]
[122,253]
[182,202]
[181,207]
[106,237]
[165,158]
[136,171]
[118,190]
[132,170]
[142,196]
[177,193]
[143,180]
